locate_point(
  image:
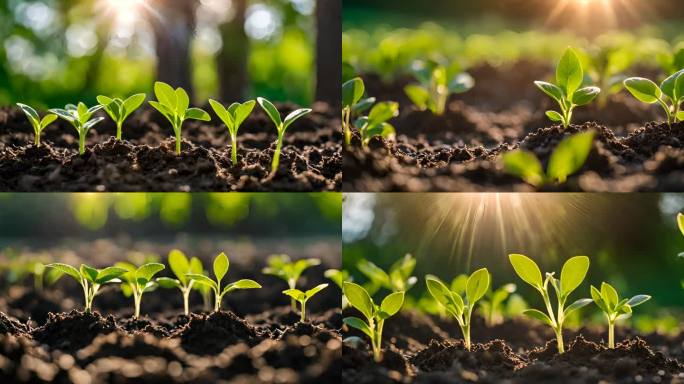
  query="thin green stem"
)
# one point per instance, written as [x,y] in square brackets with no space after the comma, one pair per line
[81,143]
[178,141]
[440,100]
[668,112]
[377,343]
[292,284]
[119,125]
[303,311]
[559,340]
[611,334]
[186,300]
[346,117]
[233,149]
[36,140]
[86,293]
[136,300]
[276,155]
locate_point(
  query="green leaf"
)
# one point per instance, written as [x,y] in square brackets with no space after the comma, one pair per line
[132,103]
[373,272]
[108,274]
[576,305]
[270,110]
[459,284]
[392,303]
[527,269]
[477,286]
[337,276]
[167,282]
[586,95]
[550,89]
[64,114]
[680,222]
[418,95]
[240,284]
[179,265]
[525,165]
[569,74]
[166,95]
[554,116]
[294,116]
[442,295]
[197,114]
[382,112]
[358,298]
[89,273]
[30,113]
[182,101]
[196,266]
[352,91]
[242,111]
[201,279]
[66,269]
[539,315]
[309,293]
[382,130]
[222,114]
[643,89]
[598,299]
[147,271]
[221,265]
[610,296]
[637,300]
[359,324]
[92,123]
[363,105]
[569,156]
[573,273]
[295,294]
[47,120]
[679,87]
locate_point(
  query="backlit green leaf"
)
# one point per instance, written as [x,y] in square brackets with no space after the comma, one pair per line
[270,110]
[539,315]
[573,273]
[477,286]
[359,298]
[569,74]
[569,156]
[637,300]
[221,265]
[352,91]
[527,269]
[66,269]
[525,165]
[180,265]
[643,89]
[359,324]
[392,303]
[310,292]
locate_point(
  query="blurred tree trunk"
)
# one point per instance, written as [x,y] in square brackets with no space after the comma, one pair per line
[232,59]
[329,51]
[173,30]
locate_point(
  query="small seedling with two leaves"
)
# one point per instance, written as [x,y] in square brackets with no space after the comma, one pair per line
[119,109]
[492,303]
[573,273]
[375,314]
[375,124]
[221,264]
[181,266]
[399,278]
[437,82]
[609,302]
[91,279]
[136,281]
[568,90]
[353,103]
[568,158]
[459,307]
[233,117]
[80,117]
[174,106]
[669,95]
[283,267]
[303,296]
[37,123]
[281,126]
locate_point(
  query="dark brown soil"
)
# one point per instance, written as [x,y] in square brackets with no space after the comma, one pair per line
[461,151]
[145,159]
[210,334]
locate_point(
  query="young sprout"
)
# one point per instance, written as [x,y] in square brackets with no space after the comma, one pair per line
[221,265]
[567,91]
[568,158]
[119,109]
[38,124]
[375,124]
[398,278]
[492,303]
[573,273]
[282,267]
[437,82]
[303,297]
[608,301]
[181,266]
[137,281]
[352,102]
[459,307]
[91,279]
[79,116]
[174,105]
[339,277]
[281,125]
[607,63]
[375,314]
[233,117]
[669,95]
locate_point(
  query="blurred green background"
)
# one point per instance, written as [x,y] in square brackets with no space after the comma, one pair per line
[55,52]
[632,239]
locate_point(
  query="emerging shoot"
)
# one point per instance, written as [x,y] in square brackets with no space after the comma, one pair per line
[233,117]
[137,281]
[303,297]
[669,95]
[375,124]
[281,126]
[353,103]
[37,124]
[492,303]
[181,266]
[398,279]
[119,109]
[91,279]
[79,116]
[282,267]
[437,82]
[608,301]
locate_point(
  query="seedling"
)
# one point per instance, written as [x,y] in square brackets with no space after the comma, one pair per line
[303,297]
[174,105]
[119,109]
[375,314]
[221,265]
[492,303]
[281,266]
[353,103]
[573,273]
[459,307]
[608,62]
[375,124]
[669,95]
[608,301]
[397,279]
[568,158]
[35,120]
[79,116]
[91,279]
[339,277]
[567,91]
[181,266]
[137,281]
[437,82]
[233,117]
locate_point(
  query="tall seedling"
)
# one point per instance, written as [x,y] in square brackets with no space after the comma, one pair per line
[80,118]
[136,281]
[613,308]
[352,103]
[91,279]
[181,266]
[233,117]
[282,267]
[303,296]
[669,95]
[119,109]
[281,125]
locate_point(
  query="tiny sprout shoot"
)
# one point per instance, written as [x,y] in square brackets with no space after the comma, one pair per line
[608,301]
[669,95]
[375,314]
[573,273]
[303,297]
[281,125]
[174,105]
[375,124]
[437,82]
[567,91]
[353,102]
[339,277]
[119,109]
[568,158]
[137,281]
[492,303]
[459,307]
[181,266]
[221,264]
[282,267]
[36,122]
[91,279]
[397,279]
[79,116]
[233,117]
